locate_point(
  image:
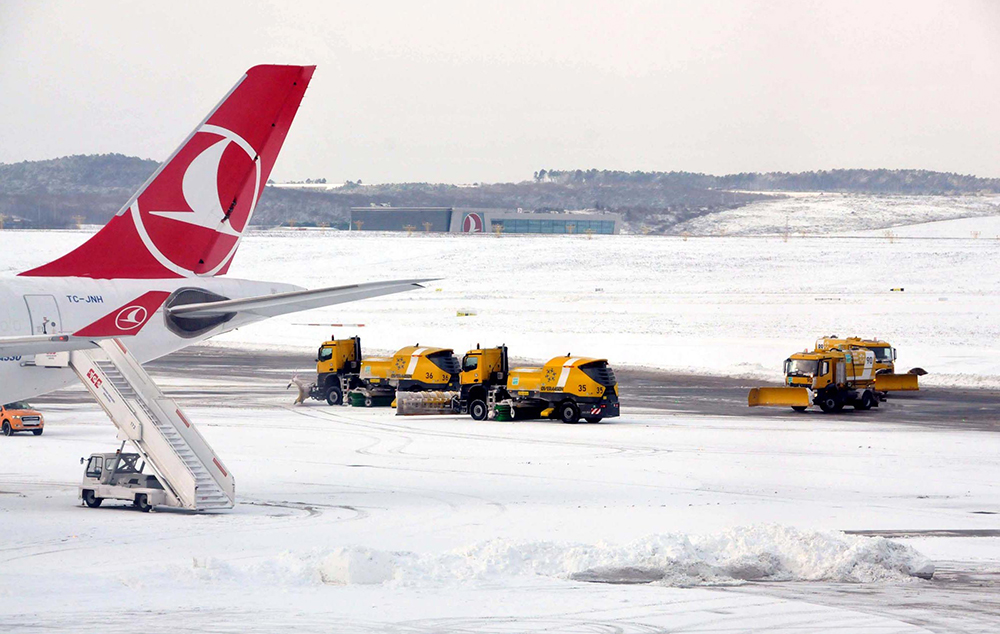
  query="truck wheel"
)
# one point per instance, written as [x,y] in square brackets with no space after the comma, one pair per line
[7,431]
[799,408]
[368,401]
[828,403]
[334,396]
[37,432]
[866,402]
[569,412]
[142,503]
[478,409]
[90,499]
[593,419]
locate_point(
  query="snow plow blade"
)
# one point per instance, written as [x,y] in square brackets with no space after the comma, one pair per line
[896,382]
[779,397]
[425,403]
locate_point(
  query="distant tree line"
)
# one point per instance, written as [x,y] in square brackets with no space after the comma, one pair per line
[90,189]
[877,181]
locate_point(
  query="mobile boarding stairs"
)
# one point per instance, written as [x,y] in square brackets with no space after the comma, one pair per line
[192,476]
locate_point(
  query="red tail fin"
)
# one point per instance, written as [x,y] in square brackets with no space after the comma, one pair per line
[188,218]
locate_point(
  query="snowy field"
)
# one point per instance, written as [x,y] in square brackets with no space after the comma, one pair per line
[359,521]
[985,227]
[719,305]
[730,306]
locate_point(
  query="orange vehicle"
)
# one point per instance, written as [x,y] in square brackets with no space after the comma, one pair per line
[20,417]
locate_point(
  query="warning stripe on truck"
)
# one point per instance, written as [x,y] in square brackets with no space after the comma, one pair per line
[564,375]
[410,369]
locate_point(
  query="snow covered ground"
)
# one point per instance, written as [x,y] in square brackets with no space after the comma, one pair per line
[979,227]
[358,521]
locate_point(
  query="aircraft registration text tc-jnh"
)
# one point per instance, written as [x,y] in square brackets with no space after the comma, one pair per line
[153,275]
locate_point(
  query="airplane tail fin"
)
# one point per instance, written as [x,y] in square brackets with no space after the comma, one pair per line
[188,218]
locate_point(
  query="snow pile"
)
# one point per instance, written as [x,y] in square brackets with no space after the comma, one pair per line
[755,553]
[283,569]
[347,566]
[760,553]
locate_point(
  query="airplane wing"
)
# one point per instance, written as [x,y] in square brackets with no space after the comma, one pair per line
[41,344]
[294,301]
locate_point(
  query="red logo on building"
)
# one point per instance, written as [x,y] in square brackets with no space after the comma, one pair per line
[473,223]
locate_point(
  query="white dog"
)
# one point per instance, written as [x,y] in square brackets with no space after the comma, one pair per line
[304,388]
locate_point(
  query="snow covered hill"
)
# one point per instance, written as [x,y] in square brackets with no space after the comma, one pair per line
[826,214]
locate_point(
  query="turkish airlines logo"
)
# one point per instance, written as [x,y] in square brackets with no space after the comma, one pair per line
[473,223]
[200,187]
[130,317]
[192,216]
[126,320]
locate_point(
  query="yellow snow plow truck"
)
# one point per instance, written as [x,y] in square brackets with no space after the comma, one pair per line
[829,379]
[338,364]
[340,370]
[886,379]
[567,388]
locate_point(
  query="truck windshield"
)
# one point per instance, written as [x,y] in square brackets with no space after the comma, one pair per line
[325,354]
[882,355]
[17,405]
[94,466]
[801,367]
[469,363]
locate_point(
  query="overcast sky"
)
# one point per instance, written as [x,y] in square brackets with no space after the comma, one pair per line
[476,91]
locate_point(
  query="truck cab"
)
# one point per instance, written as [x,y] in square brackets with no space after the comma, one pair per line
[820,369]
[19,416]
[119,476]
[814,370]
[483,369]
[338,364]
[830,378]
[339,355]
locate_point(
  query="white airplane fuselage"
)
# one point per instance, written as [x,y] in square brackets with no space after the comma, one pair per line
[63,305]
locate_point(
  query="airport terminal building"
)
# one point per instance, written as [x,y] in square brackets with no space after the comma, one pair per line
[473,220]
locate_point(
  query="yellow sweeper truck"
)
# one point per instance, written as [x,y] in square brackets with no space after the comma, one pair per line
[341,371]
[830,379]
[567,388]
